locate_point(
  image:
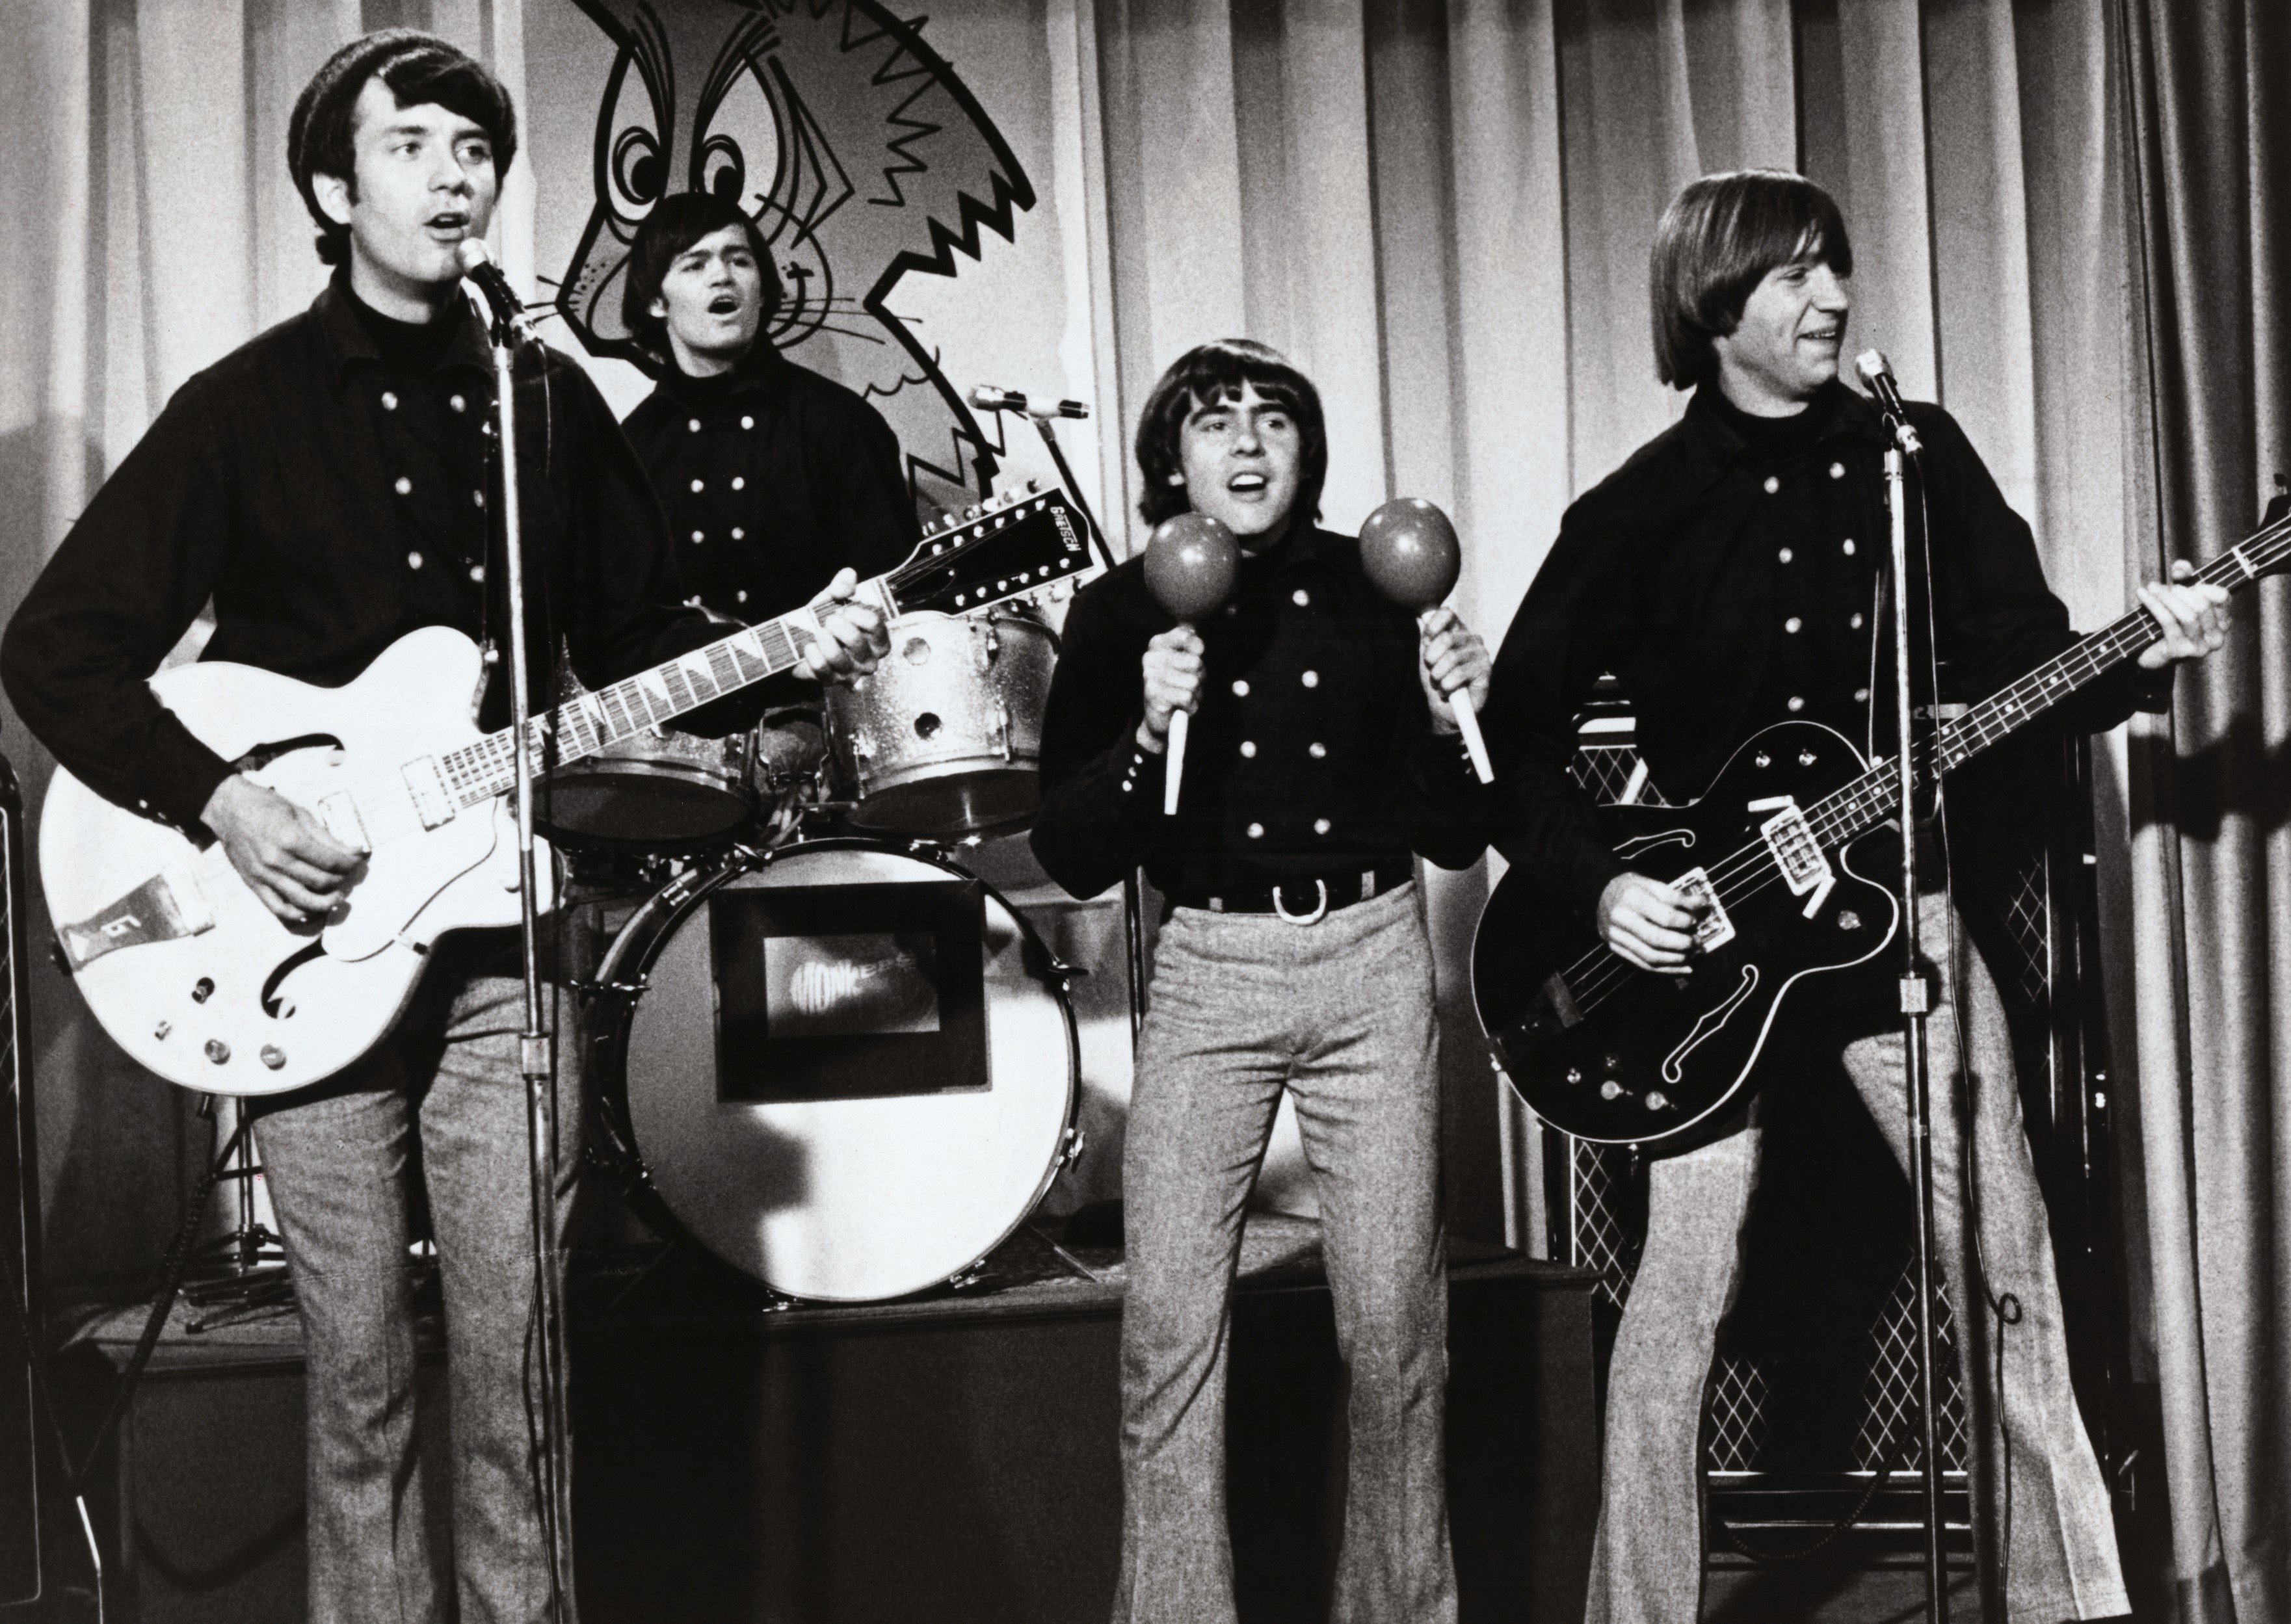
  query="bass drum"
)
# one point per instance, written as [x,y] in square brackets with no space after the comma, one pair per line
[847,1069]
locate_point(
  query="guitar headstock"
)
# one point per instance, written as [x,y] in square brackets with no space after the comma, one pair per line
[1025,543]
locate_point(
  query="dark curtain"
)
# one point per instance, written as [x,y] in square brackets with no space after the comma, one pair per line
[2209,126]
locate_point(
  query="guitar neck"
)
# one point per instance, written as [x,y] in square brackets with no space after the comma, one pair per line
[592,723]
[1873,797]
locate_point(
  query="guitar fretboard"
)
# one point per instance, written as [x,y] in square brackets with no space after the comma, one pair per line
[1022,544]
[592,722]
[1870,799]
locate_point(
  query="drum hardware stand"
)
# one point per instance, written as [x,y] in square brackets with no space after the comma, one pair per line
[252,1258]
[536,1047]
[1916,996]
[1133,908]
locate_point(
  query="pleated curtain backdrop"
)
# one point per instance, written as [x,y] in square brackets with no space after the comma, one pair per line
[2064,226]
[2212,154]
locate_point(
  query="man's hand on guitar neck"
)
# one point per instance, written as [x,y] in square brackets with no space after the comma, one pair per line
[2194,619]
[1648,922]
[856,639]
[287,858]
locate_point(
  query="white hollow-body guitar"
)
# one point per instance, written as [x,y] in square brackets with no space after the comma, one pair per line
[187,970]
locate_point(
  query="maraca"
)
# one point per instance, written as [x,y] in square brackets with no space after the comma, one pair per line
[1410,553]
[1189,561]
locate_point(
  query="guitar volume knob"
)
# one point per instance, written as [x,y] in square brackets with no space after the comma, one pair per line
[1657,1100]
[218,1051]
[202,989]
[1611,1090]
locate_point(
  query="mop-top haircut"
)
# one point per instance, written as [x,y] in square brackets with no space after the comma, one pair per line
[1207,376]
[677,221]
[1716,242]
[419,69]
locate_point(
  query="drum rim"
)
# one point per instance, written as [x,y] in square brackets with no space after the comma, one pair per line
[611,1149]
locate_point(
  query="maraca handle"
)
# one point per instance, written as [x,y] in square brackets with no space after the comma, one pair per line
[1468,723]
[1174,763]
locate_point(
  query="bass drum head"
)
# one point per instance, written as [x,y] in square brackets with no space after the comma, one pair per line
[812,1091]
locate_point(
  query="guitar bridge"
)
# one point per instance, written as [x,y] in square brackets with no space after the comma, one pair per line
[1796,852]
[1715,929]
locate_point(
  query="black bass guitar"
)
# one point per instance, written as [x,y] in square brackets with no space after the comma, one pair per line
[1604,1050]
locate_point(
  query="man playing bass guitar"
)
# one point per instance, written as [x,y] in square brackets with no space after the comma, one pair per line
[1729,574]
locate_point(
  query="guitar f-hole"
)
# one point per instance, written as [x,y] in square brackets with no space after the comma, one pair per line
[275,1006]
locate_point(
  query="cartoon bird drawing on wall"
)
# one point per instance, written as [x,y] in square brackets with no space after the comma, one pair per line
[864,160]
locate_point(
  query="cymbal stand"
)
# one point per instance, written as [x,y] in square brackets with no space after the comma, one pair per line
[1915,1005]
[537,1045]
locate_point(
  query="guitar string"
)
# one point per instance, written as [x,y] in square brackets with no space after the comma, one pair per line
[1844,815]
[489,756]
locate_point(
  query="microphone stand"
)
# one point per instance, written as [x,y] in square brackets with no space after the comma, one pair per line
[1916,1007]
[1133,906]
[537,1045]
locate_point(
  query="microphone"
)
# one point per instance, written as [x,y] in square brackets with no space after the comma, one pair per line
[476,262]
[986,397]
[1877,375]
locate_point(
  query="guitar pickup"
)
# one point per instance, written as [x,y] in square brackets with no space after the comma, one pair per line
[1716,930]
[427,784]
[1796,852]
[157,910]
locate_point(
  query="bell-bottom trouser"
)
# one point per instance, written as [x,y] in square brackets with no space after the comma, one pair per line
[1340,1015]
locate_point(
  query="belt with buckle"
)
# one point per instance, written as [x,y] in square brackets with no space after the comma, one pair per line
[1309,899]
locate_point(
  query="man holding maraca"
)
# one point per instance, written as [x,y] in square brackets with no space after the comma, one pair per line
[1319,753]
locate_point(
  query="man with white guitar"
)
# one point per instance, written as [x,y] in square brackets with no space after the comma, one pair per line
[330,486]
[1729,574]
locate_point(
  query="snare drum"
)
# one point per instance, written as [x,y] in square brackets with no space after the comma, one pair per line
[946,736]
[848,1071]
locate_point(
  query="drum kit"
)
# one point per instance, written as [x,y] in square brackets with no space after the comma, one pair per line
[819,1046]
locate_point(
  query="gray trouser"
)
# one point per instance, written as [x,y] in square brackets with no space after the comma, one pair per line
[2060,1561]
[336,1162]
[1341,1014]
